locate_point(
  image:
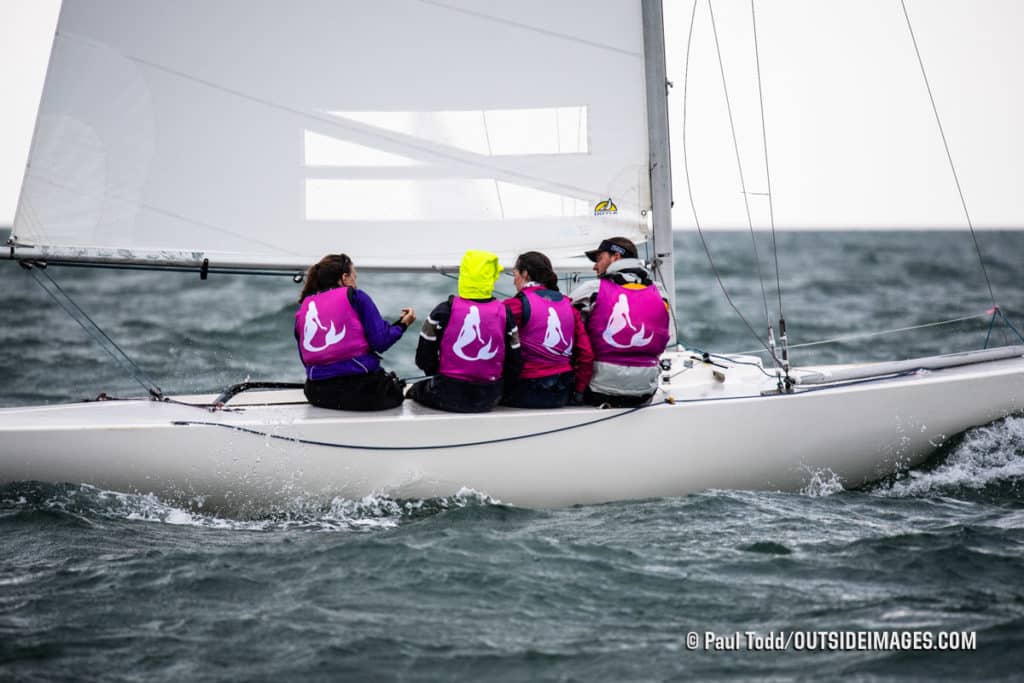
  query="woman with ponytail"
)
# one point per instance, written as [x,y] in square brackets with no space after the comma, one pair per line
[557,357]
[340,332]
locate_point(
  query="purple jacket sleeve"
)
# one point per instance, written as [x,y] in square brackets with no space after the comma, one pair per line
[379,333]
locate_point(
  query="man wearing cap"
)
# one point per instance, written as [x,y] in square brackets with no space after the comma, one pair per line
[627,320]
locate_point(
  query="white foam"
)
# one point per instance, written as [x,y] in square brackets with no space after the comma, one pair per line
[822,482]
[372,512]
[466,495]
[987,455]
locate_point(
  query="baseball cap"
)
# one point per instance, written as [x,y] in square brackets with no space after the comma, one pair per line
[614,245]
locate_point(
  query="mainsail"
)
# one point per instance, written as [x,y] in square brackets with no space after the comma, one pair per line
[264,135]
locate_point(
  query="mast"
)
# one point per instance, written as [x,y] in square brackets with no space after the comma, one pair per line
[656,77]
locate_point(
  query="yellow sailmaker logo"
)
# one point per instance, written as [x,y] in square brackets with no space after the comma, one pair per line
[605,207]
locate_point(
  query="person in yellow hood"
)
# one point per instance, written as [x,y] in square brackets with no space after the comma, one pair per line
[468,343]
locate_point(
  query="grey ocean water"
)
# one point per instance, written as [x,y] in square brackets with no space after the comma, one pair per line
[96,585]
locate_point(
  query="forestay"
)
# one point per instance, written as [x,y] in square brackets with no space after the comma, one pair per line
[263,135]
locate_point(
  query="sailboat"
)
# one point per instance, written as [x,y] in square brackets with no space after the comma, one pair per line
[241,138]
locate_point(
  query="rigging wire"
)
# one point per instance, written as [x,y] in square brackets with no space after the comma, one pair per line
[671,309]
[998,313]
[660,279]
[693,206]
[783,382]
[878,333]
[949,156]
[52,287]
[767,167]
[739,164]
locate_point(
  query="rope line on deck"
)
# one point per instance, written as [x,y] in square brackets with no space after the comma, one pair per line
[361,447]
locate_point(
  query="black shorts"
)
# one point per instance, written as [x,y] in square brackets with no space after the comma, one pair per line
[456,396]
[374,391]
[553,391]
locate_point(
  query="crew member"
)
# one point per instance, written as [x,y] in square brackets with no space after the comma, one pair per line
[468,343]
[340,332]
[627,320]
[557,358]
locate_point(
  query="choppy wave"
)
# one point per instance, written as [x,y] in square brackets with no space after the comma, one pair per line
[985,460]
[90,504]
[95,583]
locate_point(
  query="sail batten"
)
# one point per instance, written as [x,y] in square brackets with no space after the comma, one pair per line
[173,128]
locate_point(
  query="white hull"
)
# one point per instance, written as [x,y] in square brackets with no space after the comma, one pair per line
[717,435]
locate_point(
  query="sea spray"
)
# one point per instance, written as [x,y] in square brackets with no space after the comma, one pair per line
[992,455]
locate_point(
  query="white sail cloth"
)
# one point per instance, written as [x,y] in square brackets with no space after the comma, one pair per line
[401,132]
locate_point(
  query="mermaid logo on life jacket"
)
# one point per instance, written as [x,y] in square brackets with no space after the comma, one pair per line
[553,335]
[620,320]
[469,333]
[313,325]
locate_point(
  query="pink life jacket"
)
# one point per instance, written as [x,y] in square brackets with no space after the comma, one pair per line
[547,335]
[628,326]
[473,342]
[328,329]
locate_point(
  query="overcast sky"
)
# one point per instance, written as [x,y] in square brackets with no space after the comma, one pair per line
[852,141]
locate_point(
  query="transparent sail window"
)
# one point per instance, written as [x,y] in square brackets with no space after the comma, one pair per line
[494,132]
[457,199]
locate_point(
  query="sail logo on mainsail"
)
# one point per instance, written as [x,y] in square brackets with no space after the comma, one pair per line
[469,333]
[554,336]
[312,327]
[618,321]
[605,207]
